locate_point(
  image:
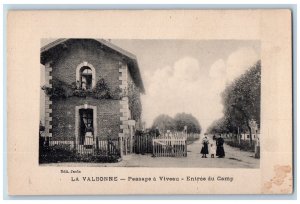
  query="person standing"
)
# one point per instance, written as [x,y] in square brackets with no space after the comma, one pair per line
[204,149]
[212,150]
[88,138]
[220,149]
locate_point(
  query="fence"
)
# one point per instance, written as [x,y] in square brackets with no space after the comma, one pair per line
[166,144]
[169,147]
[143,143]
[89,146]
[125,145]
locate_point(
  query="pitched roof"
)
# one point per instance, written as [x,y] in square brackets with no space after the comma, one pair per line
[132,65]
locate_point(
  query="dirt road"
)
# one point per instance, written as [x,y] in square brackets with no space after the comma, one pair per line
[234,159]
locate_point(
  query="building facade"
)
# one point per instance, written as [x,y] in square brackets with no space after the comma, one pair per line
[88,84]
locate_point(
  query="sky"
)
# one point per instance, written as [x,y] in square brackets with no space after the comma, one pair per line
[188,75]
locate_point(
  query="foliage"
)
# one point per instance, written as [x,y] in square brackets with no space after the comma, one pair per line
[243,145]
[61,89]
[184,119]
[63,153]
[117,94]
[241,100]
[56,153]
[98,158]
[164,122]
[220,126]
[134,102]
[82,93]
[101,90]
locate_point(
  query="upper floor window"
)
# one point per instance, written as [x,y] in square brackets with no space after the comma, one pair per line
[85,76]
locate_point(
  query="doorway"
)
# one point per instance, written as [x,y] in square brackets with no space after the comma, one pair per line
[86,132]
[85,126]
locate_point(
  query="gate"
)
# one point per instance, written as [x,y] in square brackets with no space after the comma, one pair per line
[143,143]
[170,147]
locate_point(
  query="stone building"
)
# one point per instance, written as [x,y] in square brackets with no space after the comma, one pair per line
[87,86]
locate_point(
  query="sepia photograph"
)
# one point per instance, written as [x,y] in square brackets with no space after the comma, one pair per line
[150,103]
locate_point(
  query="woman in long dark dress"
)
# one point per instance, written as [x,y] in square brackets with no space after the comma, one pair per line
[220,149]
[204,149]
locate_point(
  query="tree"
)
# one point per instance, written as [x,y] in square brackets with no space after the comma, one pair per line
[241,101]
[134,102]
[184,119]
[218,126]
[163,122]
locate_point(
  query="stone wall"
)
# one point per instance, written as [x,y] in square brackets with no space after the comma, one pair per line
[48,102]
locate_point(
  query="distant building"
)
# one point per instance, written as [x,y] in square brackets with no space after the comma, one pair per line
[246,136]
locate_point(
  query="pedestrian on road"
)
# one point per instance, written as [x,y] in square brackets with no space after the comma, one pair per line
[212,150]
[204,149]
[220,149]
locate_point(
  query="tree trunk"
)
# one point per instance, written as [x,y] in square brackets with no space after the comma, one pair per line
[239,136]
[251,142]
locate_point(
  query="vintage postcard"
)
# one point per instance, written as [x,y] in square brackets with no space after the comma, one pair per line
[149,102]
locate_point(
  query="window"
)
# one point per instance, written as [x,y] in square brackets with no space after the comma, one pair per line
[86,78]
[248,136]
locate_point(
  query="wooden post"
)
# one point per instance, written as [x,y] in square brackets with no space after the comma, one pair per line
[131,139]
[153,148]
[108,149]
[126,140]
[97,143]
[74,144]
[185,149]
[121,146]
[239,139]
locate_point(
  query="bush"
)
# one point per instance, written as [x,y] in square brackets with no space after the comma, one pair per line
[244,145]
[134,102]
[56,153]
[64,153]
[64,90]
[82,93]
[101,90]
[98,158]
[59,89]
